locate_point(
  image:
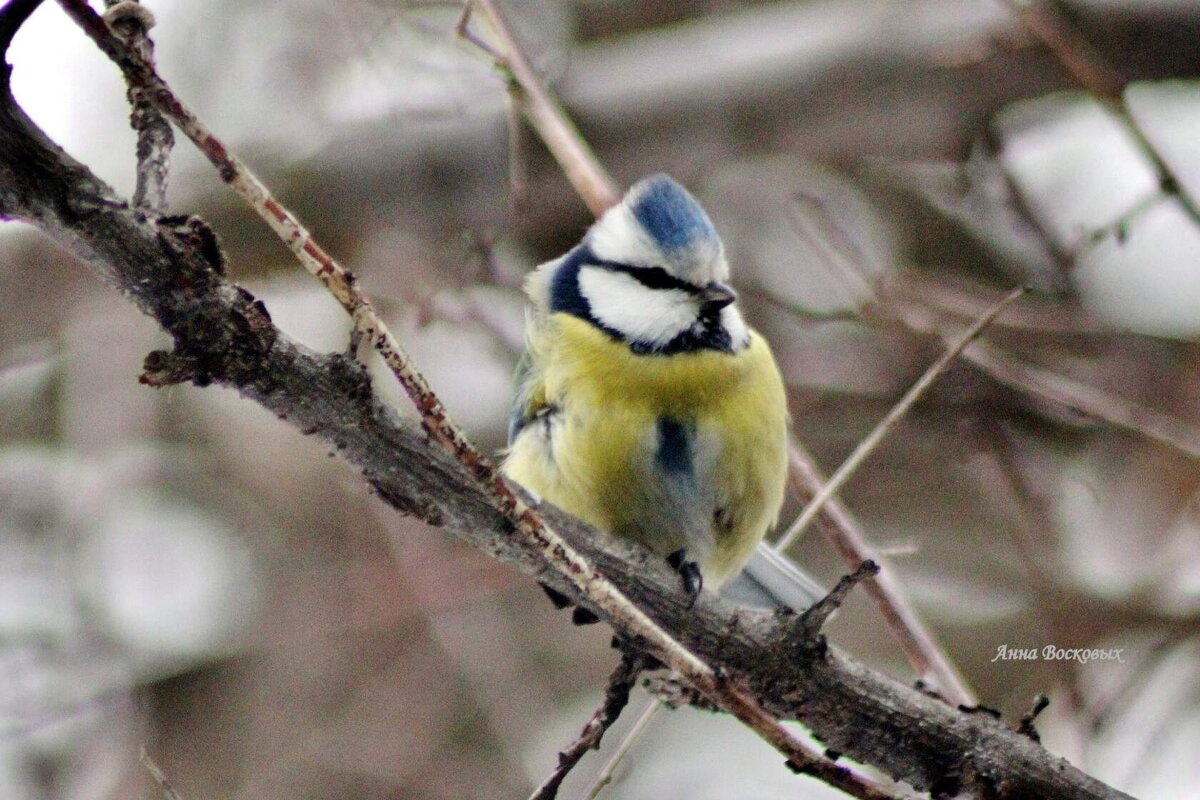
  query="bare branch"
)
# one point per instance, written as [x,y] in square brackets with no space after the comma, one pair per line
[809,624]
[872,440]
[132,22]
[573,154]
[847,537]
[616,696]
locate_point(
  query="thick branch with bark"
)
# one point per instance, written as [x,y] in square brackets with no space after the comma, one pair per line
[172,269]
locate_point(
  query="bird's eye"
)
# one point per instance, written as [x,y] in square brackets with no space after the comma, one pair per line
[650,277]
[659,278]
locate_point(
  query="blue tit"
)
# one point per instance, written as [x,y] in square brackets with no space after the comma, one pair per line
[644,404]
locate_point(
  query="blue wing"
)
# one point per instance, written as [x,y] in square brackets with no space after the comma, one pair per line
[525,402]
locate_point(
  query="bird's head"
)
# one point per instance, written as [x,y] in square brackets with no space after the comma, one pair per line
[651,272]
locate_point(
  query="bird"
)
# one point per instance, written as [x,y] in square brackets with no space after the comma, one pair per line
[644,404]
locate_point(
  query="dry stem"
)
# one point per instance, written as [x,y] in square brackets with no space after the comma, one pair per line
[164,785]
[591,181]
[872,440]
[616,696]
[132,22]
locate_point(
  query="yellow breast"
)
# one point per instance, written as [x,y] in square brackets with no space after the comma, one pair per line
[717,485]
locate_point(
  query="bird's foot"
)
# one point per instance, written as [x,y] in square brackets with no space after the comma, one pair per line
[689,571]
[579,616]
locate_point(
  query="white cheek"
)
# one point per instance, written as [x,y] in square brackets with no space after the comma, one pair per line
[732,322]
[620,302]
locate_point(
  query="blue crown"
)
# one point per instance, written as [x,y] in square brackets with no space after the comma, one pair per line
[670,214]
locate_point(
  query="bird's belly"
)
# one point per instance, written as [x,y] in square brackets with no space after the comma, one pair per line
[648,476]
[686,451]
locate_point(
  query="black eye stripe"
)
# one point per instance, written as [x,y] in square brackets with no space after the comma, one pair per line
[650,277]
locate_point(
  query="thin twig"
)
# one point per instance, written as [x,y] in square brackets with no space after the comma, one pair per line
[1088,400]
[605,776]
[1014,497]
[168,790]
[1084,63]
[591,181]
[1026,725]
[518,169]
[914,639]
[847,537]
[1010,493]
[1049,386]
[527,524]
[1069,46]
[132,22]
[463,29]
[809,624]
[616,696]
[872,440]
[933,668]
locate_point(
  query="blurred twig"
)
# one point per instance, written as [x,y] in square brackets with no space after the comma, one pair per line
[616,696]
[1084,63]
[1009,490]
[1069,46]
[847,537]
[573,154]
[1045,384]
[1090,400]
[168,790]
[898,301]
[872,440]
[916,642]
[1015,498]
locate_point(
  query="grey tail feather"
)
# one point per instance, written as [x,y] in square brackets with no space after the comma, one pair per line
[771,580]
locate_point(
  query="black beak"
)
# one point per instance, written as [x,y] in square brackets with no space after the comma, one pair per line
[716,296]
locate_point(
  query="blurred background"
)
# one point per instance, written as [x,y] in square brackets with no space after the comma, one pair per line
[181,570]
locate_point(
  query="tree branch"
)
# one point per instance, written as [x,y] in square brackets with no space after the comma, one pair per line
[616,696]
[171,269]
[132,22]
[591,181]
